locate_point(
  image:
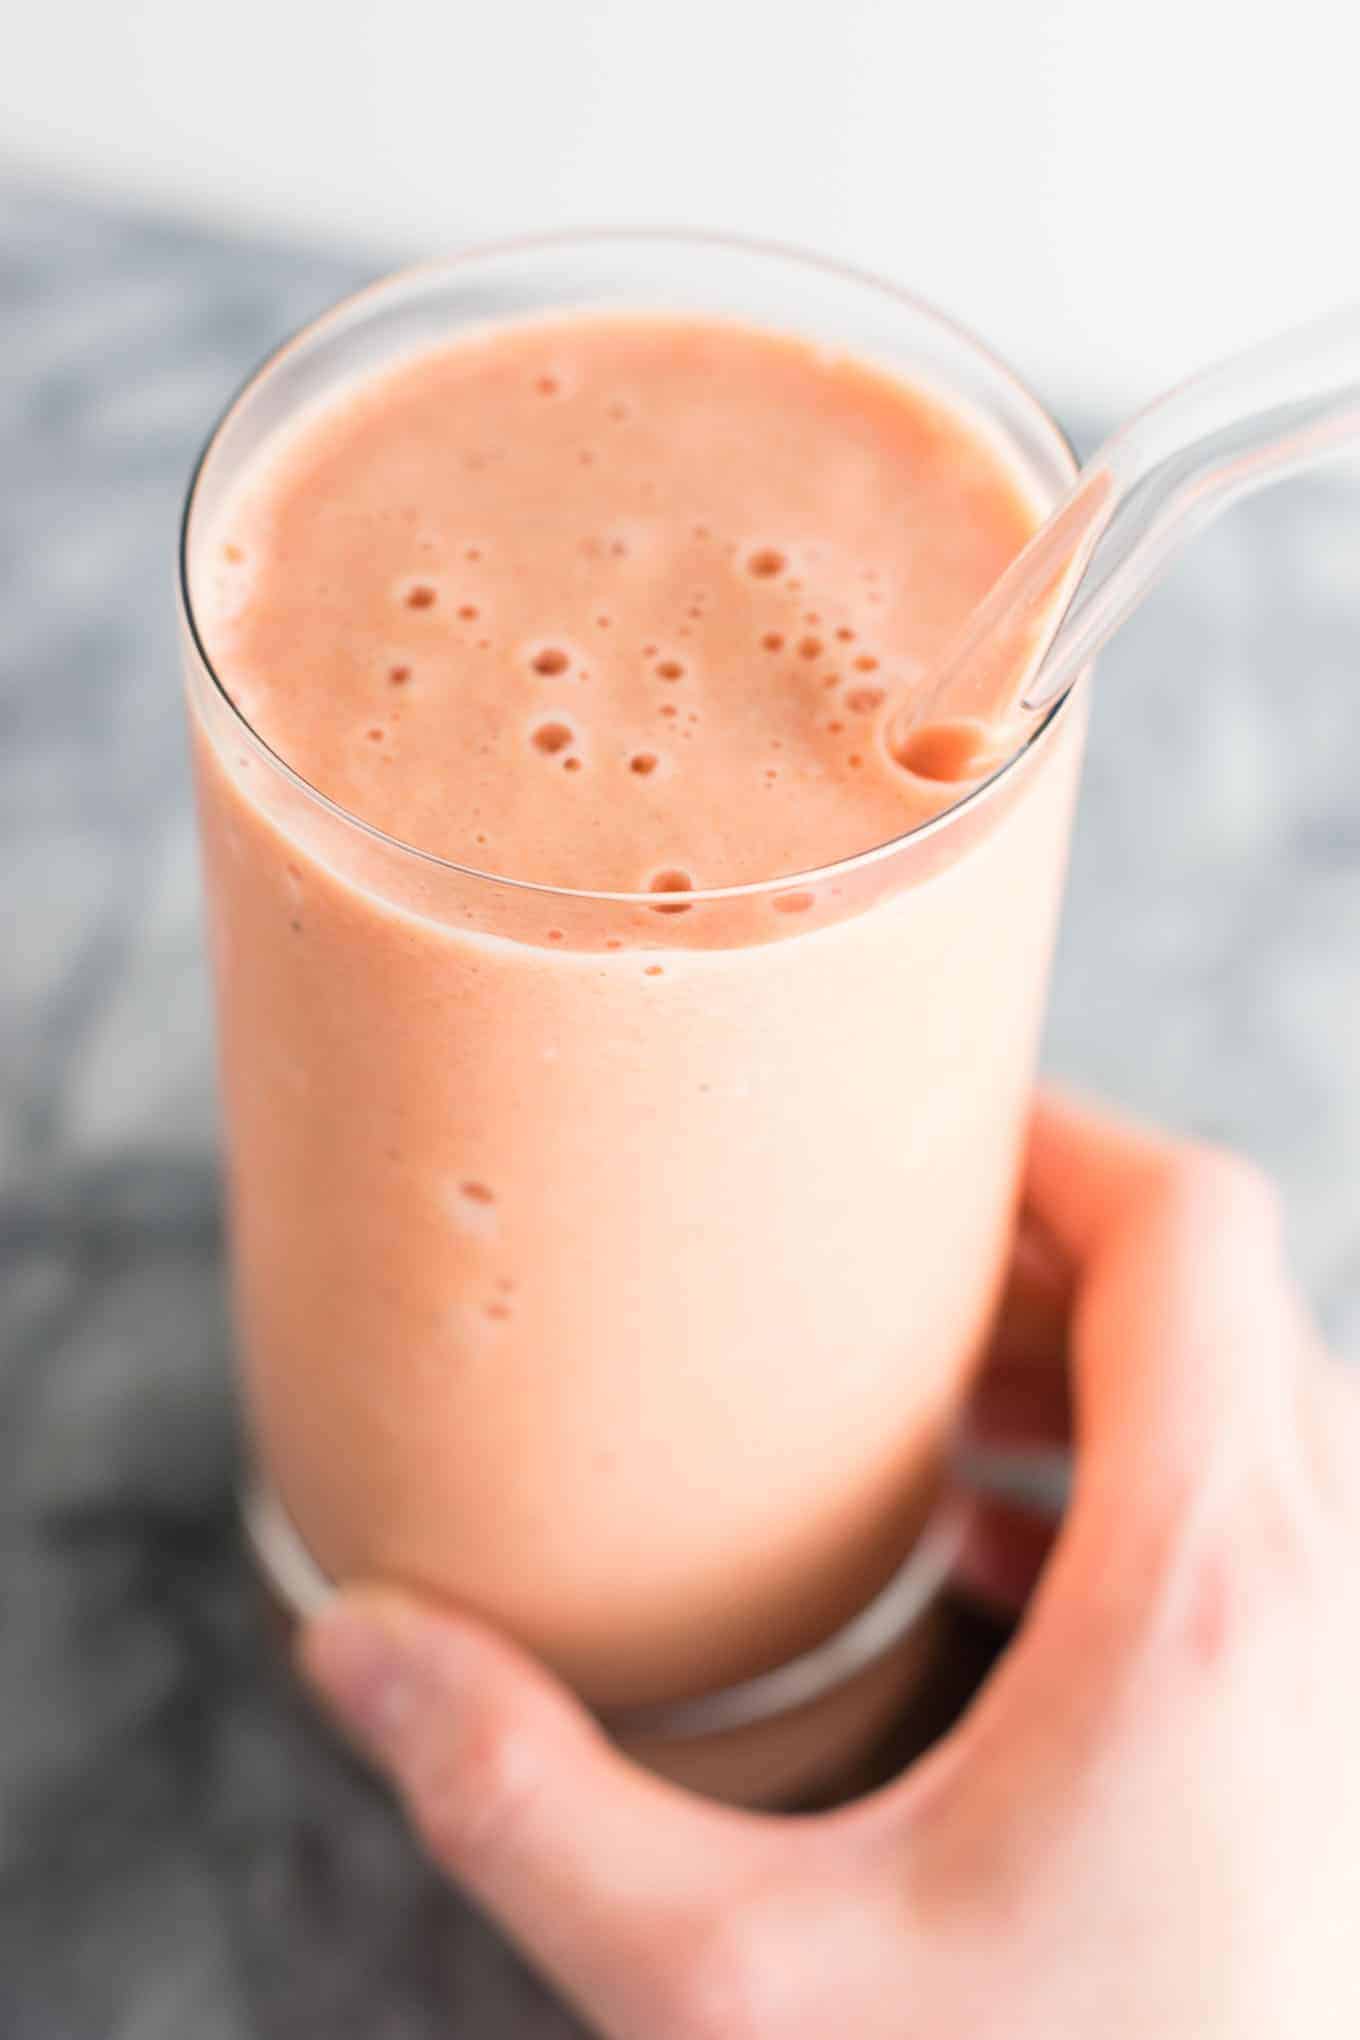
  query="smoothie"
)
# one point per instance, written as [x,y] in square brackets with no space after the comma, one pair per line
[614,1265]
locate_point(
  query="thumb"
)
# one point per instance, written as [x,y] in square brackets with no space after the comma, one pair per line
[596,1869]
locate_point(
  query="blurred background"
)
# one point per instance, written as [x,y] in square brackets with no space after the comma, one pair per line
[1111,196]
[1110,193]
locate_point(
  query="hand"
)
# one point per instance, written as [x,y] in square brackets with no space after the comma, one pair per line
[1148,1823]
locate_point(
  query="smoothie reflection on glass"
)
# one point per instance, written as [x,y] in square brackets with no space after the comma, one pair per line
[625,1061]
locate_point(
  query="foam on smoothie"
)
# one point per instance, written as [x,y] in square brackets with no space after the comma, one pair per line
[611,603]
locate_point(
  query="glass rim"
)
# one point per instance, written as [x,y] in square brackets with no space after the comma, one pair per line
[558,240]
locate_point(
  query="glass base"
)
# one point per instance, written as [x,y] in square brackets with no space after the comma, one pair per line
[764,1740]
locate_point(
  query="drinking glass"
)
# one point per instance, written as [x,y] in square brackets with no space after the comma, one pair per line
[620,1272]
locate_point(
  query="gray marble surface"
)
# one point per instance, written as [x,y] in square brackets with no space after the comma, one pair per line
[183,1856]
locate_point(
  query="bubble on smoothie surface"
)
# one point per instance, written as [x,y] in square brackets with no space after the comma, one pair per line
[864,700]
[468,611]
[670,669]
[773,641]
[810,648]
[572,764]
[421,596]
[547,386]
[671,882]
[643,763]
[950,753]
[398,676]
[552,737]
[477,1192]
[766,562]
[550,661]
[375,735]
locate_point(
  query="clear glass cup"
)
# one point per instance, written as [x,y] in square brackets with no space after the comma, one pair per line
[753,1163]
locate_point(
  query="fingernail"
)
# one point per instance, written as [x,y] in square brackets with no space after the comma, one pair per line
[365,1671]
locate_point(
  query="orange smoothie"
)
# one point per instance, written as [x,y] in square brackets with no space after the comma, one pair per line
[615,1266]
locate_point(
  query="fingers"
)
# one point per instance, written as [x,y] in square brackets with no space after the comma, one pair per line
[1021,1397]
[1193,1484]
[1084,1168]
[586,1861]
[1005,1548]
[1017,1428]
[1019,1408]
[1186,1326]
[1031,1325]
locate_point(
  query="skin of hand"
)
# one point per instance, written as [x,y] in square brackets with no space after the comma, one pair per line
[1148,1821]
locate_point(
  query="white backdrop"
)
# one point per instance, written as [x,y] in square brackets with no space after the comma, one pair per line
[1111,193]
